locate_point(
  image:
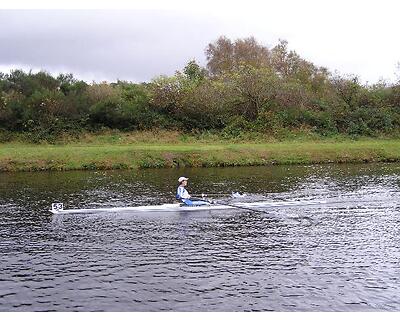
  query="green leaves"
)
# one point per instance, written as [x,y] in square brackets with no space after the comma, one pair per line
[245,88]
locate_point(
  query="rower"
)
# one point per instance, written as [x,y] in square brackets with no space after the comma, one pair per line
[184,196]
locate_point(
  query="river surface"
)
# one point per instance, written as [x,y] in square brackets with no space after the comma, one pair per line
[341,255]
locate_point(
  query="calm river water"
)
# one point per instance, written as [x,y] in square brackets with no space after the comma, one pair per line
[343,255]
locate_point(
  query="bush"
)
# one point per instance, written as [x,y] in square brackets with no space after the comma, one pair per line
[236,127]
[369,121]
[248,90]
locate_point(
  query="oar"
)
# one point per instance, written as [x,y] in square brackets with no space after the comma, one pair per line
[202,195]
[233,195]
[235,206]
[229,205]
[243,208]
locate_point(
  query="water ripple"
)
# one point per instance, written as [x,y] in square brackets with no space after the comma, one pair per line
[341,255]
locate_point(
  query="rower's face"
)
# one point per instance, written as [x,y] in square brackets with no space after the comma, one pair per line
[184,183]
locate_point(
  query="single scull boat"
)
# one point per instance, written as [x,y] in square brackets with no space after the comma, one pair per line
[58,208]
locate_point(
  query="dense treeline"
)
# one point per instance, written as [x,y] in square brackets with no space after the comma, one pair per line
[245,87]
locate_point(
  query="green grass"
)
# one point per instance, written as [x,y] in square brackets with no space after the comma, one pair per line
[127,153]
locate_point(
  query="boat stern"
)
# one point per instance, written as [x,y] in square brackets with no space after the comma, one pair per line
[56,207]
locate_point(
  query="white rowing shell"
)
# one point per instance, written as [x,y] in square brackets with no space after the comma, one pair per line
[58,208]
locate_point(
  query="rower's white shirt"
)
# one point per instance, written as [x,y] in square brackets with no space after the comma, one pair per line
[182,193]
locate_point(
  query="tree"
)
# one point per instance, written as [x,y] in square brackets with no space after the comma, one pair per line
[288,64]
[66,82]
[347,87]
[194,72]
[251,90]
[220,56]
[101,91]
[224,55]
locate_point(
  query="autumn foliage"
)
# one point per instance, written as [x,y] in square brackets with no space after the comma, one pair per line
[244,87]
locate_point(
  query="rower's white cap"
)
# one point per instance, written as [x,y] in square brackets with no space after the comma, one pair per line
[182,179]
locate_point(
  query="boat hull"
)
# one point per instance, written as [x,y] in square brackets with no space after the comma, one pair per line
[159,208]
[176,207]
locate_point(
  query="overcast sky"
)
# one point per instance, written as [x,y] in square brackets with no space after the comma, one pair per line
[149,38]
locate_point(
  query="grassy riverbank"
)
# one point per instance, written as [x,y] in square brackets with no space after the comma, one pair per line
[158,151]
